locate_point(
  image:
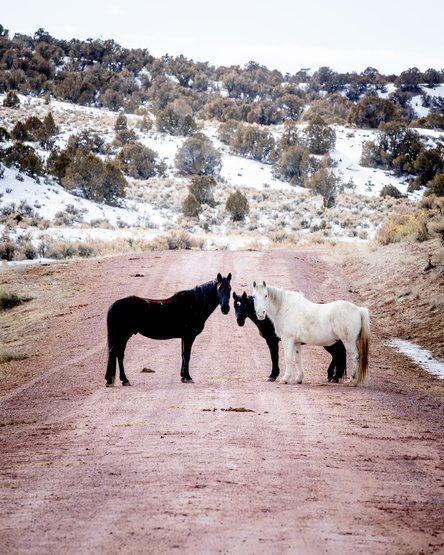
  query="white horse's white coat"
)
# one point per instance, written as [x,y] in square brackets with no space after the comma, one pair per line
[299,321]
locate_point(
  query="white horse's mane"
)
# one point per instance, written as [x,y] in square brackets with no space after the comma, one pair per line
[277,293]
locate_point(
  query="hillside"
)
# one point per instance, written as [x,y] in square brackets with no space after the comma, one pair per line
[89,166]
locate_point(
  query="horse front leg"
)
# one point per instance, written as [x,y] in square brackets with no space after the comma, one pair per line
[288,345]
[187,343]
[273,346]
[298,357]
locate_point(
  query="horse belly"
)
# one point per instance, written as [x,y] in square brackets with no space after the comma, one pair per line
[308,330]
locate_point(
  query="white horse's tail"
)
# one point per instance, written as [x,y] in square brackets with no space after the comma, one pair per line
[363,346]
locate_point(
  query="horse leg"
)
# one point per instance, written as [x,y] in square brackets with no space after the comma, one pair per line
[288,346]
[187,343]
[273,346]
[333,376]
[340,356]
[354,356]
[120,357]
[331,371]
[111,367]
[298,357]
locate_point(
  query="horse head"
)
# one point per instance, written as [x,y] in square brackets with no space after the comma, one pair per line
[223,292]
[240,307]
[260,295]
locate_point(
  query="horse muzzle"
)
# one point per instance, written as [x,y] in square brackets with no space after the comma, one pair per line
[225,309]
[260,315]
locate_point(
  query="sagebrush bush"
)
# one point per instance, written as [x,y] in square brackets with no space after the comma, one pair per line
[191,207]
[399,227]
[10,300]
[237,205]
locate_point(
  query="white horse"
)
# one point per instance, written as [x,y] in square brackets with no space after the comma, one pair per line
[298,321]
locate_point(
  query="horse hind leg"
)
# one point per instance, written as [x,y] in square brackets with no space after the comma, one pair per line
[110,375]
[353,353]
[120,357]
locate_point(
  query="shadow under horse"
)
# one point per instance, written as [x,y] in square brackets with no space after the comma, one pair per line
[244,308]
[181,316]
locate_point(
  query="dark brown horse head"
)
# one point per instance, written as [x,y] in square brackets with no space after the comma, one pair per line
[223,292]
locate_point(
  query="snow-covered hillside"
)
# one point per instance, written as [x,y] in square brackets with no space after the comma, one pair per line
[153,207]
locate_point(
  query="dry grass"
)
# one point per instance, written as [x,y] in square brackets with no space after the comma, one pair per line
[406,299]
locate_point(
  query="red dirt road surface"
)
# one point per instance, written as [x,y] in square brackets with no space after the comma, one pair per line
[231,464]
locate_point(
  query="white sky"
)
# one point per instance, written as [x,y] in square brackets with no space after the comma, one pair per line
[345,35]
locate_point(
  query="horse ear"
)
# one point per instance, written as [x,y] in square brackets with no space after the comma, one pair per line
[235,297]
[244,296]
[254,284]
[265,285]
[229,277]
[219,278]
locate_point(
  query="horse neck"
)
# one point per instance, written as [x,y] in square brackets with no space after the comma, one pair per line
[206,294]
[274,301]
[251,312]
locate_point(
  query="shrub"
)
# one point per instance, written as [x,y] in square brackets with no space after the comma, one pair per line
[202,188]
[4,135]
[293,165]
[11,100]
[23,157]
[94,179]
[226,131]
[252,142]
[399,227]
[179,240]
[140,161]
[9,300]
[371,111]
[191,207]
[325,183]
[436,186]
[237,205]
[176,119]
[198,156]
[319,137]
[87,140]
[390,191]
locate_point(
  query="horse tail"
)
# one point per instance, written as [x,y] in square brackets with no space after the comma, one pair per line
[363,346]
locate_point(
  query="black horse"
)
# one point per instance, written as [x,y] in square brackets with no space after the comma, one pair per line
[244,308]
[182,315]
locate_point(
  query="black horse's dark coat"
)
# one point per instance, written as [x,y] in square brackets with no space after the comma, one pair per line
[244,308]
[181,316]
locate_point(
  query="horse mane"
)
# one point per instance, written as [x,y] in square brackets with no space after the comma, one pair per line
[277,294]
[205,287]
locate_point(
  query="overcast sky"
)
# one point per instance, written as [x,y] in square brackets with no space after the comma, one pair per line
[345,35]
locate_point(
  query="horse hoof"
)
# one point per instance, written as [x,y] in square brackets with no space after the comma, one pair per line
[109,384]
[126,383]
[187,380]
[283,381]
[270,379]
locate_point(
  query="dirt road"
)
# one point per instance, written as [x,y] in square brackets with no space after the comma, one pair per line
[231,464]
